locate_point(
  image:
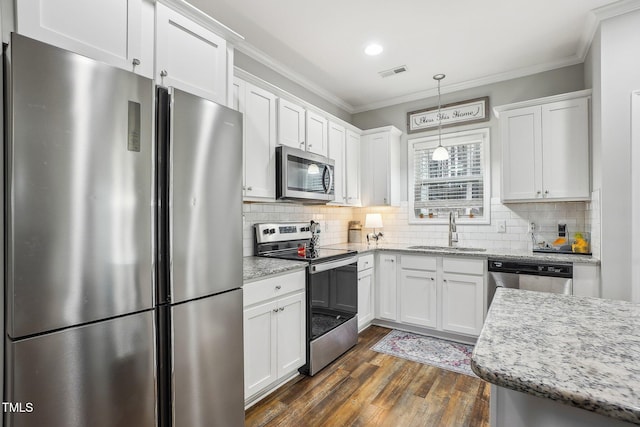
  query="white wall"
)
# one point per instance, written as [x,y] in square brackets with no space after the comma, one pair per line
[619,69]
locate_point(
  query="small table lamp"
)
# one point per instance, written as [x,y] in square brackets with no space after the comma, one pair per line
[373,220]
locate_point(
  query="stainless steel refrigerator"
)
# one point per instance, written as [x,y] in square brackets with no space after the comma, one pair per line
[124,248]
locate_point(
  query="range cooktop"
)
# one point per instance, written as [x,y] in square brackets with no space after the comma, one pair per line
[317,255]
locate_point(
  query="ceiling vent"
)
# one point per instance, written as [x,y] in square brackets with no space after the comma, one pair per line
[393,71]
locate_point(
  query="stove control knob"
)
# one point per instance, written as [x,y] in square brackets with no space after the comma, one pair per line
[272,231]
[265,231]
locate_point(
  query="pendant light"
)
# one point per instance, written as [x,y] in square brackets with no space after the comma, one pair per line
[439,153]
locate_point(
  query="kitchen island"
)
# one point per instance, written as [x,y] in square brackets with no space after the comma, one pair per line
[557,360]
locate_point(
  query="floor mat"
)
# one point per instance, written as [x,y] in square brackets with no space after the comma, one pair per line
[437,352]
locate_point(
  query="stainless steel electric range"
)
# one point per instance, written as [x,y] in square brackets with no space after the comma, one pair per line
[332,288]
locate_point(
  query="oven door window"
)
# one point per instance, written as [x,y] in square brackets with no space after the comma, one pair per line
[308,176]
[333,298]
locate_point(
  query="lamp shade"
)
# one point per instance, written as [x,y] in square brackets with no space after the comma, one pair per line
[373,220]
[440,153]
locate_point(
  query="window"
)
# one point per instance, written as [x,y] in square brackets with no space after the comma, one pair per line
[460,184]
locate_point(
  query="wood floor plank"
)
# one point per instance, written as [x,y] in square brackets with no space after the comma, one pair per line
[367,388]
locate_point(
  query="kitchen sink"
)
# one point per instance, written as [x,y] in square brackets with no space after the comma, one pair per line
[448,248]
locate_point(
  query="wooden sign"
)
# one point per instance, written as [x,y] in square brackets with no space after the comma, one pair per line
[465,112]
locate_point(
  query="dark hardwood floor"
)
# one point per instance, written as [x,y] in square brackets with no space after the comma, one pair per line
[366,388]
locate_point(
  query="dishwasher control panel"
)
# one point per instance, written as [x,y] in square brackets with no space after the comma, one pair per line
[554,269]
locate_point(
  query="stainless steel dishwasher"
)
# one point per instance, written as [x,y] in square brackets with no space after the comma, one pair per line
[554,277]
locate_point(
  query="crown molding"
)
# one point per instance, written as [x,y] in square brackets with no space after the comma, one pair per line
[469,84]
[255,53]
[198,16]
[596,16]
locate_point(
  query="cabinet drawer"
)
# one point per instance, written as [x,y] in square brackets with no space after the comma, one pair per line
[464,265]
[273,287]
[418,262]
[365,262]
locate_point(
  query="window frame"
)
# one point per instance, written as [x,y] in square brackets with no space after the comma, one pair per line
[450,139]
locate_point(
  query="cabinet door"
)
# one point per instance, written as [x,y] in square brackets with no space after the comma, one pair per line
[110,31]
[565,149]
[352,168]
[375,163]
[190,57]
[259,108]
[387,287]
[290,124]
[260,351]
[418,297]
[337,153]
[365,298]
[462,303]
[521,154]
[316,127]
[291,334]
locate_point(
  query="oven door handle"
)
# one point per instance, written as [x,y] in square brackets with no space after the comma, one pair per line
[330,265]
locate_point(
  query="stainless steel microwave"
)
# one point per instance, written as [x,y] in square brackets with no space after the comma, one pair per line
[303,176]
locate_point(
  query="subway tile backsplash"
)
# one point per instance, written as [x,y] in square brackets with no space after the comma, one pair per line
[579,216]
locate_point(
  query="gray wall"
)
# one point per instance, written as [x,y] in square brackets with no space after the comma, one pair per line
[568,79]
[260,70]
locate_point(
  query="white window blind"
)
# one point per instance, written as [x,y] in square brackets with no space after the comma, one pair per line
[460,184]
[453,183]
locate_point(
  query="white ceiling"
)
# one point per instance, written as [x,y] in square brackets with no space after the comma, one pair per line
[320,43]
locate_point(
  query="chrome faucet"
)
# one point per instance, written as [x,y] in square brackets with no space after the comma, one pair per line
[453,234]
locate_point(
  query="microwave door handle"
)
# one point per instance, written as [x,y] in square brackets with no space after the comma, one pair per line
[327,170]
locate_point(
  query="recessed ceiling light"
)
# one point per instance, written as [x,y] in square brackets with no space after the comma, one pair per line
[373,49]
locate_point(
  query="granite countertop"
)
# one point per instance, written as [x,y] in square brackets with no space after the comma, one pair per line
[579,351]
[255,268]
[489,253]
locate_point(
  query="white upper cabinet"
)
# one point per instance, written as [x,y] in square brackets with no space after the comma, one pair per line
[316,129]
[291,121]
[259,135]
[117,32]
[352,167]
[337,152]
[189,56]
[380,166]
[545,149]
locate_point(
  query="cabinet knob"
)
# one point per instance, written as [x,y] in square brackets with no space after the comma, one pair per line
[164,73]
[546,193]
[384,200]
[250,188]
[301,143]
[278,287]
[281,309]
[538,192]
[432,279]
[310,145]
[275,310]
[135,62]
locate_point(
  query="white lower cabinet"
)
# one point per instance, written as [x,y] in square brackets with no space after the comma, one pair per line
[365,291]
[439,293]
[462,303]
[274,330]
[387,287]
[418,298]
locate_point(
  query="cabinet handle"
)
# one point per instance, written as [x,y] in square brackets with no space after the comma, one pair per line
[281,309]
[310,145]
[164,73]
[275,310]
[538,192]
[432,279]
[384,200]
[250,188]
[302,143]
[135,62]
[278,287]
[546,193]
